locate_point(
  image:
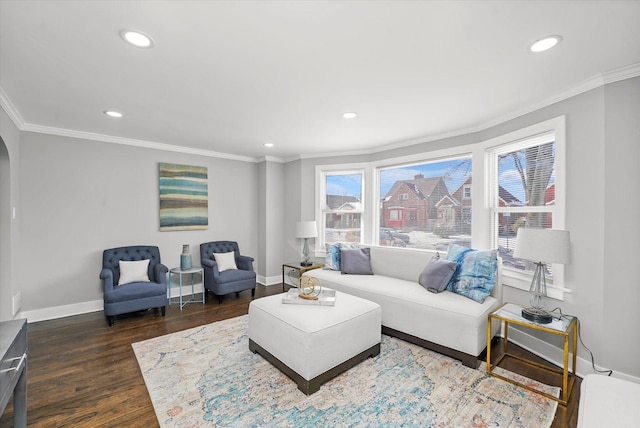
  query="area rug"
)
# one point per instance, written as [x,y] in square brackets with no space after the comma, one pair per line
[206,376]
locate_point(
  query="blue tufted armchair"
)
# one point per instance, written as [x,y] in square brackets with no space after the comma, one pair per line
[133,296]
[228,281]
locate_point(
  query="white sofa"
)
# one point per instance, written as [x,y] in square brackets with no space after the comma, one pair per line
[445,322]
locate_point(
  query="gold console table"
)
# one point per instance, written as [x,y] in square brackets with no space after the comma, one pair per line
[566,326]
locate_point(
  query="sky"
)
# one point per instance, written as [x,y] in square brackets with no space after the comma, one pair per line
[455,172]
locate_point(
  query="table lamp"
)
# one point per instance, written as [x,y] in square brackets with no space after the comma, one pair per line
[306,230]
[540,246]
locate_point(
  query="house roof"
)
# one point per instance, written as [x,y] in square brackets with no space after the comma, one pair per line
[421,187]
[507,197]
[336,201]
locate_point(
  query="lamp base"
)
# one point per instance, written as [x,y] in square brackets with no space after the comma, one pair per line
[539,316]
[305,264]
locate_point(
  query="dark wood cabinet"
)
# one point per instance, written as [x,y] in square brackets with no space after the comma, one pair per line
[13,369]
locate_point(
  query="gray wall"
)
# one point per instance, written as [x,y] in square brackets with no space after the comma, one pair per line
[9,195]
[271,206]
[603,149]
[620,292]
[79,197]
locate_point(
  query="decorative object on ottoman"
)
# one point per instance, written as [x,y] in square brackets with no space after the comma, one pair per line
[309,288]
[313,344]
[185,258]
[326,297]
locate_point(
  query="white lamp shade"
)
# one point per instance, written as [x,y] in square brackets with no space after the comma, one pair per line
[306,229]
[542,245]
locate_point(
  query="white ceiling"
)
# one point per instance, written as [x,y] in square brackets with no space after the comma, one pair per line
[228,76]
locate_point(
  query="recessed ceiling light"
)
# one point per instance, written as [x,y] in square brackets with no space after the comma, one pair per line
[136,38]
[349,115]
[112,113]
[545,43]
[268,144]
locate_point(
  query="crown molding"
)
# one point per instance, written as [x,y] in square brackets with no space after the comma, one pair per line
[270,159]
[597,81]
[132,142]
[11,110]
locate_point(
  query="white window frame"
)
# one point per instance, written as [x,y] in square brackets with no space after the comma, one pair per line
[480,211]
[533,135]
[322,171]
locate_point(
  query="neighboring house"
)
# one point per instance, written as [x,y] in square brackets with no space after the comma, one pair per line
[334,202]
[550,199]
[457,209]
[344,220]
[411,204]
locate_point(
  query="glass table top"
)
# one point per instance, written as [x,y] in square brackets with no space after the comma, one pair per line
[513,312]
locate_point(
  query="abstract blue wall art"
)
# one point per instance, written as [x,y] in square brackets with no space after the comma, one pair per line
[184,197]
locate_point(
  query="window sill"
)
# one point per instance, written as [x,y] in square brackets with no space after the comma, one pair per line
[522,281]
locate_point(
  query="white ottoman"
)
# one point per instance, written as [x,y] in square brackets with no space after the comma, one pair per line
[313,344]
[608,402]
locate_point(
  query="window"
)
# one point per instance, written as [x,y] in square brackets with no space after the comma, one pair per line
[430,200]
[421,204]
[341,206]
[522,192]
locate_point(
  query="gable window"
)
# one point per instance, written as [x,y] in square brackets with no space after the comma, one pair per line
[341,205]
[524,176]
[466,192]
[421,204]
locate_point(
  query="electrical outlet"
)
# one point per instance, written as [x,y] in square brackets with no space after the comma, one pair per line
[17,303]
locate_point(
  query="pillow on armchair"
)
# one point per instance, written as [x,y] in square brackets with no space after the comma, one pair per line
[133,271]
[225,261]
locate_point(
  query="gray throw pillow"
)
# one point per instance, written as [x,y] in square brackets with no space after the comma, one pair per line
[356,262]
[436,275]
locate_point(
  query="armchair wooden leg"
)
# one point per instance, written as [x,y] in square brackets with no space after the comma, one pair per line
[237,294]
[163,310]
[220,299]
[111,320]
[253,293]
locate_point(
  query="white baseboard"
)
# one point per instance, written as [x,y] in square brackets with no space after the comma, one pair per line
[55,312]
[555,355]
[269,280]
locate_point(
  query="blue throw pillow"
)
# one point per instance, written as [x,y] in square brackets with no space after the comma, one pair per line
[476,273]
[332,260]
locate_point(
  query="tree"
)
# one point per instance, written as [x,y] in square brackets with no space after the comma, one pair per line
[535,166]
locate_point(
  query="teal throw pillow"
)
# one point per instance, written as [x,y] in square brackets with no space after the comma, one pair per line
[475,276]
[332,259]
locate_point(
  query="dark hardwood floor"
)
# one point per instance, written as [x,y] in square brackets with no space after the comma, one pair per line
[83,373]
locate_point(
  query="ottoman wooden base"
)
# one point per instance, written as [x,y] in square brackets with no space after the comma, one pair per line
[313,385]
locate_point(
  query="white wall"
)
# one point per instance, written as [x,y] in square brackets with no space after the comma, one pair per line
[602,134]
[80,197]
